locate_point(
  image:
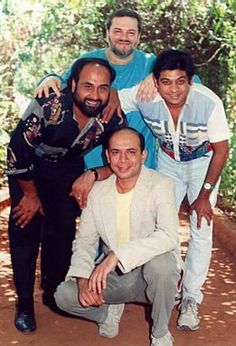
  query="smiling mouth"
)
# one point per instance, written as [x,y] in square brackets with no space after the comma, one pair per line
[123,169]
[175,96]
[92,104]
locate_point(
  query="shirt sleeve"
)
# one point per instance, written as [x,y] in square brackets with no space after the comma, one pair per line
[217,127]
[21,146]
[128,99]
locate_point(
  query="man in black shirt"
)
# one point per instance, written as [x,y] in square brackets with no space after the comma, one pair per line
[45,157]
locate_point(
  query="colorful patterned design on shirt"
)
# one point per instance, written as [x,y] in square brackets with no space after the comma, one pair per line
[189,140]
[48,134]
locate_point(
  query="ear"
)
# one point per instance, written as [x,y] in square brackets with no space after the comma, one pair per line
[155,81]
[139,35]
[191,81]
[107,156]
[107,37]
[144,155]
[73,86]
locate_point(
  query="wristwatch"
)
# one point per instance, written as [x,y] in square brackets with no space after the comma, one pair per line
[95,173]
[208,186]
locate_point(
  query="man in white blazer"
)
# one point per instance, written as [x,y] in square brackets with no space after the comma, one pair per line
[134,213]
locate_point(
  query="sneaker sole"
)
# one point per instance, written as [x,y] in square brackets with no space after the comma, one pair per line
[188,328]
[108,336]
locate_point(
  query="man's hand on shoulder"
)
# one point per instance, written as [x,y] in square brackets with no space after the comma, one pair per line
[98,279]
[86,297]
[83,185]
[49,82]
[147,89]
[81,188]
[112,107]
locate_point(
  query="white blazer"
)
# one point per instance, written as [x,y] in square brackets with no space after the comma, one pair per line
[153,224]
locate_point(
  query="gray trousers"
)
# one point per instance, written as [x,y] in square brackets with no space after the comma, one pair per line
[154,283]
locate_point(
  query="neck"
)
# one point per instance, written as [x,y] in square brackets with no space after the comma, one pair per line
[175,109]
[124,185]
[116,60]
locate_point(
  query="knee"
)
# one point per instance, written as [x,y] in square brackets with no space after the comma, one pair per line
[64,295]
[161,268]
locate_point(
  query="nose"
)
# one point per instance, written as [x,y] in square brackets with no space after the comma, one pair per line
[123,157]
[94,94]
[174,87]
[124,36]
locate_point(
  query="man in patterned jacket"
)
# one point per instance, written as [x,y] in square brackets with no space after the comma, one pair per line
[45,157]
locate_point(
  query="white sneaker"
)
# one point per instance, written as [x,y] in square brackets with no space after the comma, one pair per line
[166,340]
[188,317]
[110,327]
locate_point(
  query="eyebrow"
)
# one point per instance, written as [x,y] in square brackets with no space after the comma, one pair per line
[172,78]
[90,83]
[119,28]
[131,148]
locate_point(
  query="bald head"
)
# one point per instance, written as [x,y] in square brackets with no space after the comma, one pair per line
[130,131]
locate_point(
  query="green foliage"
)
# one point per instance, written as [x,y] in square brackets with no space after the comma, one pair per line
[51,37]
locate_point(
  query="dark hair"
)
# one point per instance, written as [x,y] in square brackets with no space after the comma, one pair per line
[79,64]
[139,135]
[174,60]
[125,12]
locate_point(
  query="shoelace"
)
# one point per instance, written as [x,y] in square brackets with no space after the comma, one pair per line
[189,304]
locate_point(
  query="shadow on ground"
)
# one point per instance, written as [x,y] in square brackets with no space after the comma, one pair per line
[218,311]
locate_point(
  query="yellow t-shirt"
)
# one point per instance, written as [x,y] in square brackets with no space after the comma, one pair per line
[123,203]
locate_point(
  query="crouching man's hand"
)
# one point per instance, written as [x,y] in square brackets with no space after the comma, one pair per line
[87,297]
[98,279]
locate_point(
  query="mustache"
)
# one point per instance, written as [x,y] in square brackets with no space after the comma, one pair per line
[123,41]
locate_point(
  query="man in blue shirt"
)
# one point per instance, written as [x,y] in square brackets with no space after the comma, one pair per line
[123,30]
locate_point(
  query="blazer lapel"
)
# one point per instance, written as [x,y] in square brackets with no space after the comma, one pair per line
[139,201]
[108,212]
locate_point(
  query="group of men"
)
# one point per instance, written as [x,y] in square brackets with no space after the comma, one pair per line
[132,209]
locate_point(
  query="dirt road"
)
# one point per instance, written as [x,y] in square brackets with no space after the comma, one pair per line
[218,311]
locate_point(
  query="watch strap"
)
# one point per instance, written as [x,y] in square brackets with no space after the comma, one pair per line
[95,173]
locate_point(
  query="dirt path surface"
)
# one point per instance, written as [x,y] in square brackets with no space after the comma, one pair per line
[218,311]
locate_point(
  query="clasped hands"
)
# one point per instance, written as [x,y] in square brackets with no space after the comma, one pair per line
[91,290]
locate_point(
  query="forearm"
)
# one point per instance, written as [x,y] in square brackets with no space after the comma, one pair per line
[81,282]
[28,187]
[128,99]
[214,170]
[61,78]
[103,173]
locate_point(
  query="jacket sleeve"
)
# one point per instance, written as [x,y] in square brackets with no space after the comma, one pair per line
[163,238]
[85,245]
[22,143]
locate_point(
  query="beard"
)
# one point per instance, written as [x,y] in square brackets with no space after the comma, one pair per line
[121,53]
[89,111]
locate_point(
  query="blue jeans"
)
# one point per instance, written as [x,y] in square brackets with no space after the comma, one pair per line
[189,177]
